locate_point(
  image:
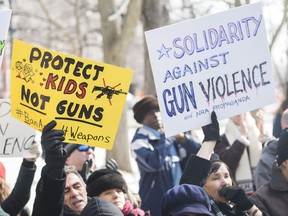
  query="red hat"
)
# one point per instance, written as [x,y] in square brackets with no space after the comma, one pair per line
[2,171]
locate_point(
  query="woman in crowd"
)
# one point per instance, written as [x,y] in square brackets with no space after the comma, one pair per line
[215,178]
[109,185]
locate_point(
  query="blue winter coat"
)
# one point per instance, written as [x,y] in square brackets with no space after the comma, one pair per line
[160,161]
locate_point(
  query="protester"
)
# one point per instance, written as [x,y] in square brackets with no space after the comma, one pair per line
[110,185]
[100,207]
[131,195]
[59,191]
[82,157]
[215,178]
[273,196]
[277,118]
[160,159]
[262,173]
[185,199]
[240,149]
[75,198]
[13,203]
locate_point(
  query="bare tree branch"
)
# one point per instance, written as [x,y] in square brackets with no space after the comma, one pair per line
[120,11]
[282,23]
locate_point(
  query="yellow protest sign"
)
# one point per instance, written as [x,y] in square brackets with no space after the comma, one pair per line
[86,98]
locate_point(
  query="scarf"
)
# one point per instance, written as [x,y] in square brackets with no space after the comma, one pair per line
[128,210]
[251,154]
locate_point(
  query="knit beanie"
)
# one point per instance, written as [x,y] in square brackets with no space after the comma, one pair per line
[2,171]
[282,148]
[185,198]
[145,105]
[70,148]
[103,180]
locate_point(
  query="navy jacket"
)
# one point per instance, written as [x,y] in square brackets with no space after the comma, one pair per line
[157,164]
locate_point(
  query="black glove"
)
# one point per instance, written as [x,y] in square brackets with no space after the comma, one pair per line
[55,156]
[211,131]
[85,171]
[51,140]
[237,196]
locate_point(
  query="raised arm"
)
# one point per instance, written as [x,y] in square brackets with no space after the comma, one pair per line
[198,166]
[20,194]
[49,198]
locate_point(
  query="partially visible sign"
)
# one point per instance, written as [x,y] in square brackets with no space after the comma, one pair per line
[16,137]
[86,98]
[5,16]
[219,62]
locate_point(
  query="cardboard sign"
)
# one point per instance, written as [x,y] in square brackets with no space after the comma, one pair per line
[5,16]
[86,98]
[219,62]
[16,137]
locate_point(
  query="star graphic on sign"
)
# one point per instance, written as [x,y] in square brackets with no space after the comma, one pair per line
[163,51]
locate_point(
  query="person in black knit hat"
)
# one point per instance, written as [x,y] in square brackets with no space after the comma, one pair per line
[103,180]
[273,197]
[110,185]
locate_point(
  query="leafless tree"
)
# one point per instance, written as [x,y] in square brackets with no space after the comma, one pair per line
[154,14]
[118,28]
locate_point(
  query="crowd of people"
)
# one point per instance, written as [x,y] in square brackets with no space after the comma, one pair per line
[233,173]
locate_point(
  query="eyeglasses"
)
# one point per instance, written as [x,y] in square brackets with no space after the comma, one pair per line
[84,148]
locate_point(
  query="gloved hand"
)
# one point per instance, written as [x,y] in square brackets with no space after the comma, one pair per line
[55,156]
[35,150]
[237,196]
[211,131]
[85,171]
[51,139]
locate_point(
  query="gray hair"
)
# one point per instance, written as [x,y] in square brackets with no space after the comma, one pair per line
[71,169]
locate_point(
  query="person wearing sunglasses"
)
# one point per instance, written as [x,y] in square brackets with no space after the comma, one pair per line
[82,157]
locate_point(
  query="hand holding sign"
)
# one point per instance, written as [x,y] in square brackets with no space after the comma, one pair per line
[52,139]
[55,157]
[212,131]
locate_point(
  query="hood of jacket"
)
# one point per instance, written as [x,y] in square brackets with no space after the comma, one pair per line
[100,207]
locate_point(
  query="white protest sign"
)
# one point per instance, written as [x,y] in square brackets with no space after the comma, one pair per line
[5,16]
[219,62]
[16,137]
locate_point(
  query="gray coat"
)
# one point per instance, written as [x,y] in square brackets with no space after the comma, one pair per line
[273,197]
[262,172]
